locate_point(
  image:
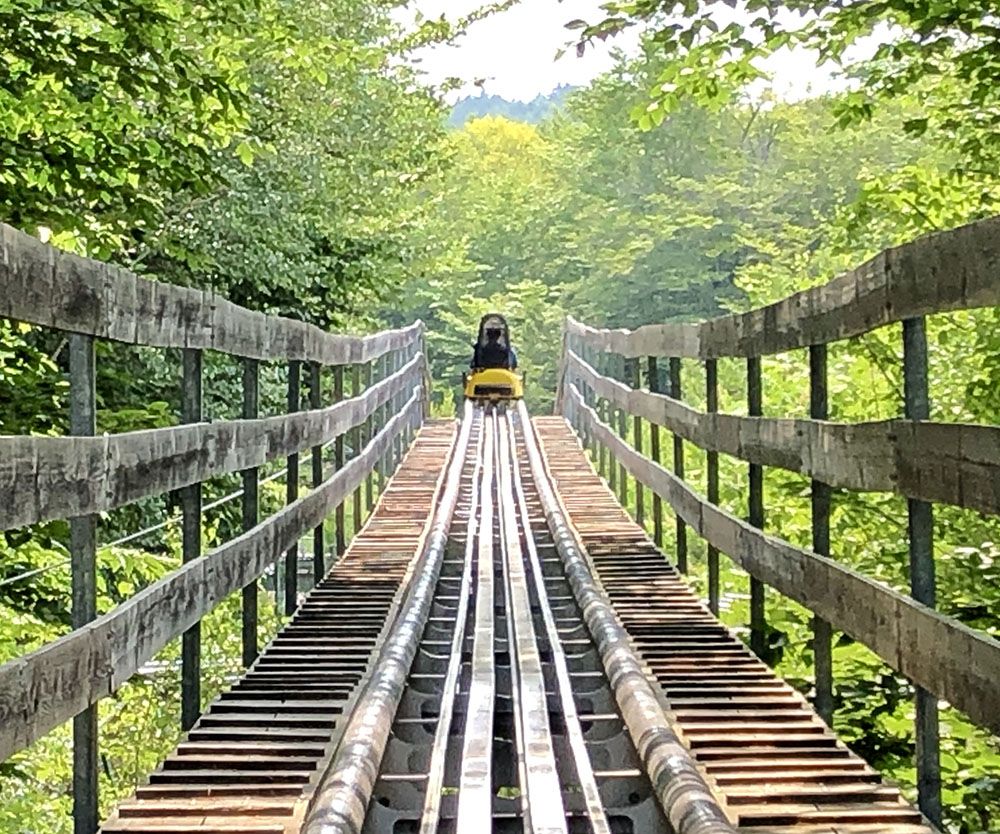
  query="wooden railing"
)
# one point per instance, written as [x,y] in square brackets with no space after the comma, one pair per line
[79,476]
[957,464]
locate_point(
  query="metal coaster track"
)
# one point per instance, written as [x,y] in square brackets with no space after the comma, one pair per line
[508,721]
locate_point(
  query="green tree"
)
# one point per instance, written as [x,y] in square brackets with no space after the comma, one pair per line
[109,106]
[943,57]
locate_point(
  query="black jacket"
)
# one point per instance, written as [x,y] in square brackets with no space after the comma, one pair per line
[493,355]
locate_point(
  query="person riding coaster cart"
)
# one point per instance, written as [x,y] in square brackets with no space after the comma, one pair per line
[493,363]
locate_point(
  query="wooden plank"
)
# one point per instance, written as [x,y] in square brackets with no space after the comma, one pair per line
[941,272]
[951,463]
[679,339]
[956,663]
[45,688]
[43,478]
[42,285]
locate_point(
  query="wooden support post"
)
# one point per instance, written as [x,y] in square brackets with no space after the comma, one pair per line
[623,433]
[191,412]
[654,441]
[586,435]
[356,444]
[427,383]
[582,388]
[401,443]
[622,471]
[387,410]
[410,430]
[640,498]
[602,451]
[591,398]
[400,398]
[83,556]
[394,403]
[819,409]
[605,411]
[251,510]
[366,376]
[758,616]
[391,409]
[383,418]
[403,397]
[406,437]
[319,542]
[292,491]
[712,478]
[675,392]
[338,462]
[916,397]
[602,411]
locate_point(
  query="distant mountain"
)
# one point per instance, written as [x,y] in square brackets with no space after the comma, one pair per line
[532,112]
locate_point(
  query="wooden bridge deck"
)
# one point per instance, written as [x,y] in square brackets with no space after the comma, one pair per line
[254,759]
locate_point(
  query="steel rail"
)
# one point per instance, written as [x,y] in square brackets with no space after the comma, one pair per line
[431,817]
[345,787]
[541,790]
[514,669]
[475,794]
[680,787]
[574,731]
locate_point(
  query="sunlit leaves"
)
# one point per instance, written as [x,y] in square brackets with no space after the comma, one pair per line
[312,221]
[31,387]
[908,49]
[102,111]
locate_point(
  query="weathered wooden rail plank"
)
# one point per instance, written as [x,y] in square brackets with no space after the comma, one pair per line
[42,285]
[45,688]
[954,662]
[952,463]
[941,272]
[43,478]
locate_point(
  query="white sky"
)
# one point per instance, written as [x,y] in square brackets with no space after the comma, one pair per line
[514,52]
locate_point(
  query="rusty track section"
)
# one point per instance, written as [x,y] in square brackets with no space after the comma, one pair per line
[255,753]
[778,767]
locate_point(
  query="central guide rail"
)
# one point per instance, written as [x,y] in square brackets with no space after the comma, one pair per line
[507,721]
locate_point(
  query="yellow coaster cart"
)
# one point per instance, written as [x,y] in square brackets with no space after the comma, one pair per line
[495,380]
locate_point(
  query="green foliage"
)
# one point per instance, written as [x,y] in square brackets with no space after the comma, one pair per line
[264,149]
[728,205]
[626,226]
[337,135]
[31,388]
[108,106]
[874,705]
[941,57]
[282,154]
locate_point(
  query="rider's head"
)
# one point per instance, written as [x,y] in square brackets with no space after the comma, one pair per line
[492,334]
